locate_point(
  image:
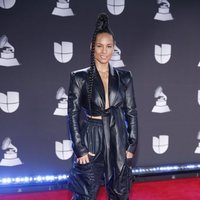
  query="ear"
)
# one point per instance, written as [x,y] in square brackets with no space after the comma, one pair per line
[90,46]
[114,47]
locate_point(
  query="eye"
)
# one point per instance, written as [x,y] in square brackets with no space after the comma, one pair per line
[98,44]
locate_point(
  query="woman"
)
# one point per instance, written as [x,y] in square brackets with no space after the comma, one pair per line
[105,142]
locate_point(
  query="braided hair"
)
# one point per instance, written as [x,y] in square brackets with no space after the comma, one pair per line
[102,26]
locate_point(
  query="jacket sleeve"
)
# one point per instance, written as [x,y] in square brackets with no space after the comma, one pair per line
[131,116]
[74,109]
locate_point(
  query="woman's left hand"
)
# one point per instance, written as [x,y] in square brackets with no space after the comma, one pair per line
[129,155]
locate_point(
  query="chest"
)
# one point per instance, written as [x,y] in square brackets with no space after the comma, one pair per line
[108,90]
[105,80]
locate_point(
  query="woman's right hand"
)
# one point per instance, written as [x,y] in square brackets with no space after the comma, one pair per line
[85,159]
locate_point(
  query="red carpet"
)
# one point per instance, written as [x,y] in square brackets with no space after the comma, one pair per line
[180,189]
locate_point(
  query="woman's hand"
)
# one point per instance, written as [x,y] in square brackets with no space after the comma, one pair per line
[85,159]
[129,155]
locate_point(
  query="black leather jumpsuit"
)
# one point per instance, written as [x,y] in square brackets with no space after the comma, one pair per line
[108,138]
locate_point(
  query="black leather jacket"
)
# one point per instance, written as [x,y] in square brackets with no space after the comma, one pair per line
[120,119]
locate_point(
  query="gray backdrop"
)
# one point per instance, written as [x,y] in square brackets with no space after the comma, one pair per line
[32,30]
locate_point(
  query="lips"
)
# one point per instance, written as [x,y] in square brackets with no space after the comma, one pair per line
[103,57]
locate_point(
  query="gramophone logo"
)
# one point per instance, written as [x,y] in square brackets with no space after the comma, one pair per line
[115,60]
[6,4]
[10,155]
[61,110]
[64,150]
[9,103]
[7,57]
[64,52]
[162,53]
[62,9]
[115,7]
[197,150]
[163,13]
[198,97]
[160,144]
[161,102]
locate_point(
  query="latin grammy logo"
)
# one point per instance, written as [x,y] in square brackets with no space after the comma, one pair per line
[64,52]
[162,53]
[116,7]
[62,105]
[161,103]
[64,150]
[10,155]
[163,13]
[160,144]
[198,97]
[7,4]
[9,103]
[7,57]
[62,9]
[197,150]
[115,60]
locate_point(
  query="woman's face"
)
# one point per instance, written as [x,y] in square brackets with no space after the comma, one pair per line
[104,47]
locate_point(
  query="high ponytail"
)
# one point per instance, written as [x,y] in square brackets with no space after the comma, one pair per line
[102,26]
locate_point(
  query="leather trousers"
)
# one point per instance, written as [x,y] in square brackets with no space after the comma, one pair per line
[85,179]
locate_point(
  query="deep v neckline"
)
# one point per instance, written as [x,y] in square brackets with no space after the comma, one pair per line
[105,90]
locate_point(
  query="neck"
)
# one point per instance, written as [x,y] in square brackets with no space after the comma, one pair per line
[102,67]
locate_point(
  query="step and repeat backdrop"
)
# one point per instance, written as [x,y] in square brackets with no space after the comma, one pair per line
[41,42]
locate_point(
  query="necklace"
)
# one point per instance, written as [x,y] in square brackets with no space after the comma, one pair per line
[103,71]
[103,74]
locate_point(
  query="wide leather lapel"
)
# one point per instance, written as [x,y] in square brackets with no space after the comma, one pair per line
[98,86]
[113,85]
